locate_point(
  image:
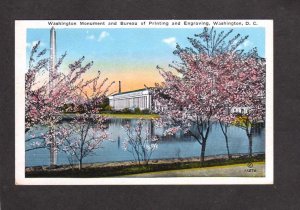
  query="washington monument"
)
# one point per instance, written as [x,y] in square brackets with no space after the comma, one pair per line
[52,70]
[52,75]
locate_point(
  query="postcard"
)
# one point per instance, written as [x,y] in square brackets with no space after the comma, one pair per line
[143,102]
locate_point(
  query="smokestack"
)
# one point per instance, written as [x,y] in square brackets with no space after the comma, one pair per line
[120,87]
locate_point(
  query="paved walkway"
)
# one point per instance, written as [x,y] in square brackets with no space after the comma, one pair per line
[257,169]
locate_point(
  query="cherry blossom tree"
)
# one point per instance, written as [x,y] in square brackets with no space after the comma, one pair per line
[43,106]
[139,141]
[35,93]
[249,91]
[212,76]
[241,84]
[42,103]
[88,130]
[188,103]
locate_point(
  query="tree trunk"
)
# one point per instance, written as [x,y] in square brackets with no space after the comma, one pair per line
[250,144]
[139,160]
[203,151]
[53,150]
[224,131]
[228,153]
[80,164]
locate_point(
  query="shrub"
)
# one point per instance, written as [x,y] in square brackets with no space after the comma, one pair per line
[137,110]
[107,108]
[126,111]
[146,111]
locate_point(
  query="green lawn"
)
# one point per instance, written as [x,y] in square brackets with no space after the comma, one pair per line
[131,116]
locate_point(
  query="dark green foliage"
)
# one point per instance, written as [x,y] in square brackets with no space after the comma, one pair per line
[137,110]
[67,108]
[146,111]
[80,108]
[104,105]
[126,111]
[107,108]
[134,169]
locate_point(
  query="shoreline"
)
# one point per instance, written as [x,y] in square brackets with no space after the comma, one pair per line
[173,163]
[149,116]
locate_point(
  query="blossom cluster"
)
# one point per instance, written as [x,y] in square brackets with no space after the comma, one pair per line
[45,97]
[211,78]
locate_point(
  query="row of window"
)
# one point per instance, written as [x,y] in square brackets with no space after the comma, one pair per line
[138,102]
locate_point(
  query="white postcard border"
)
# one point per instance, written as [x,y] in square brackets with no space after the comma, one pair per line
[20,68]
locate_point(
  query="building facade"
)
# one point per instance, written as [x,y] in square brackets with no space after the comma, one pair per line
[240,110]
[141,99]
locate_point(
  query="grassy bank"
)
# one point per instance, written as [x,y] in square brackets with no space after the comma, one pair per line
[131,116]
[110,170]
[118,115]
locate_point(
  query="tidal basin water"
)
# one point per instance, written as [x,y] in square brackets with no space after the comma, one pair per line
[176,146]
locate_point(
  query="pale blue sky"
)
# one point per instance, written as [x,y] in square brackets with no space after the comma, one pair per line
[126,51]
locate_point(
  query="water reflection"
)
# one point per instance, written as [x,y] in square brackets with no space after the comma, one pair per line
[177,146]
[119,142]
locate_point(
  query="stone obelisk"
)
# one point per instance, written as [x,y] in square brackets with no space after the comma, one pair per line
[52,70]
[52,75]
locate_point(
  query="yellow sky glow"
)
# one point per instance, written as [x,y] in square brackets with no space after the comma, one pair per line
[131,79]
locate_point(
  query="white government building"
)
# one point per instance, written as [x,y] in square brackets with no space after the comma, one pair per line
[141,99]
